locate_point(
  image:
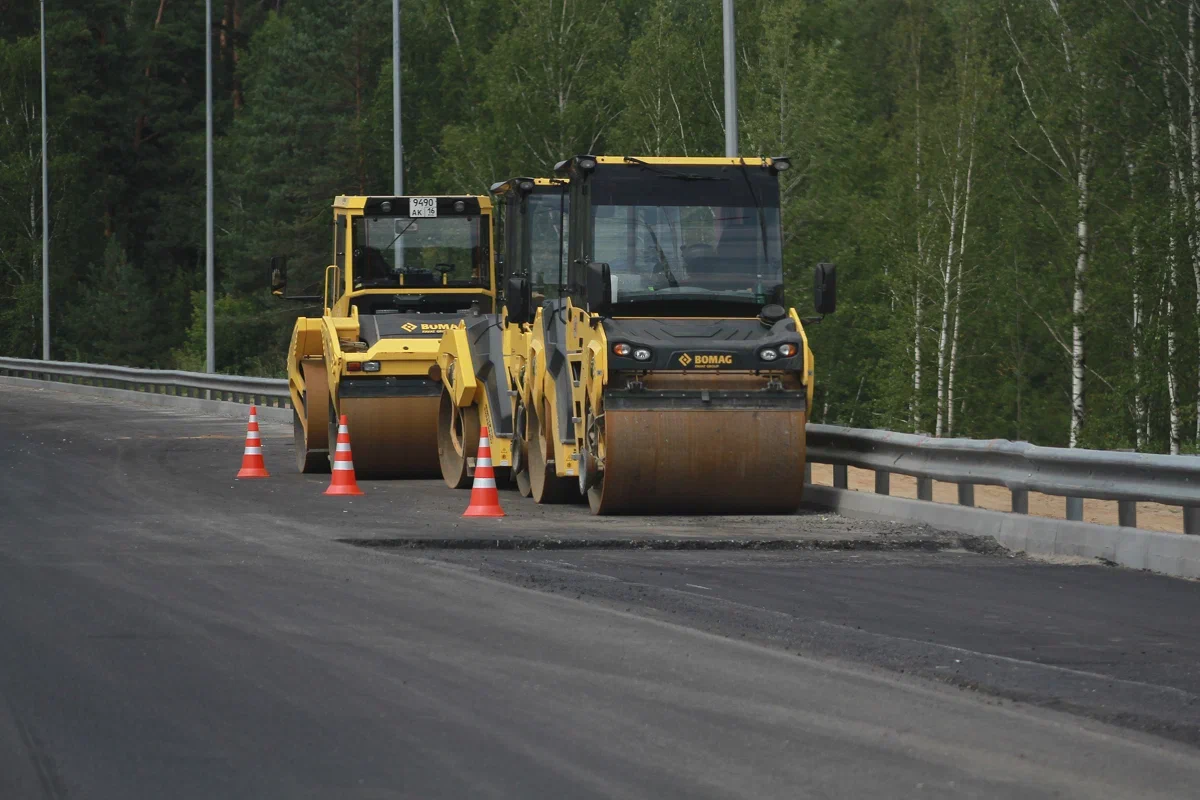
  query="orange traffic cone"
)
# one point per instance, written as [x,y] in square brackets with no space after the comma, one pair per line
[485,500]
[342,480]
[252,460]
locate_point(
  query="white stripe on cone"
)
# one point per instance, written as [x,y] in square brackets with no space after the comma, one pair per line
[343,465]
[485,483]
[342,447]
[253,451]
[343,429]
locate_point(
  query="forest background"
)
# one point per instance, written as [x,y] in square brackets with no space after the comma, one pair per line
[1011,188]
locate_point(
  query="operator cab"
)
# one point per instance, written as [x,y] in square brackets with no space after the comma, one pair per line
[405,255]
[534,214]
[419,255]
[680,237]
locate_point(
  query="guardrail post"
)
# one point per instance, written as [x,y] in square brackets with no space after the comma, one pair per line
[966,494]
[1127,513]
[1191,520]
[883,482]
[1075,509]
[841,476]
[1020,501]
[925,489]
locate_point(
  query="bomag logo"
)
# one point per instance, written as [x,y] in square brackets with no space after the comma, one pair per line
[706,360]
[426,327]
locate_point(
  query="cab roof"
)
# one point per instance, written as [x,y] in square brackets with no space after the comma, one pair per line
[504,187]
[358,202]
[571,164]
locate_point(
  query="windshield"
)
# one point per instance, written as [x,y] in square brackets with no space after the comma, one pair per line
[437,251]
[548,214]
[710,233]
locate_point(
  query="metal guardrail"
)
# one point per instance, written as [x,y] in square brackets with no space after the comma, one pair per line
[1021,467]
[1074,474]
[270,392]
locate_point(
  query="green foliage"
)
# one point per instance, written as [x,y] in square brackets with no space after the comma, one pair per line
[956,305]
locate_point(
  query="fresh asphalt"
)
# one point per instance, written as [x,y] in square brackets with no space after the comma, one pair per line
[166,631]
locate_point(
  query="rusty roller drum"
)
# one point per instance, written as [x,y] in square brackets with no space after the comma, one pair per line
[705,460]
[393,437]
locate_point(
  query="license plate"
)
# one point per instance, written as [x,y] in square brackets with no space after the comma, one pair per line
[422,206]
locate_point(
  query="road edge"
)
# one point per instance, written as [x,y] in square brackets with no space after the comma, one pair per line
[217,408]
[1171,554]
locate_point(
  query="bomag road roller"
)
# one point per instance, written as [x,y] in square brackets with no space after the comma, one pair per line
[670,376]
[404,271]
[483,361]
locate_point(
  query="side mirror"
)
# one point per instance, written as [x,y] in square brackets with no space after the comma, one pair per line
[518,298]
[278,275]
[825,288]
[598,287]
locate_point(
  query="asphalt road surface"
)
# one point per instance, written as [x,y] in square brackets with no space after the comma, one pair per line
[166,631]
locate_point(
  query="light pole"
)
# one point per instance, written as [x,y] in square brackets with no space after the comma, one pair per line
[210,350]
[45,207]
[731,121]
[397,150]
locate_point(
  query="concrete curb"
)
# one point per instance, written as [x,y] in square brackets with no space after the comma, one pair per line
[1166,553]
[218,408]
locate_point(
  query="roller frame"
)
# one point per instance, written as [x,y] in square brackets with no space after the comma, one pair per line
[492,385]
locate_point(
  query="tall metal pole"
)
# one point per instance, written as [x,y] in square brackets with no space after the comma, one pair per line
[397,150]
[210,339]
[45,207]
[731,121]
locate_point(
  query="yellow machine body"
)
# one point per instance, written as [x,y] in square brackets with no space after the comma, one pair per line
[405,270]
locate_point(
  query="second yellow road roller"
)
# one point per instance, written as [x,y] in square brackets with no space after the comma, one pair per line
[483,360]
[404,271]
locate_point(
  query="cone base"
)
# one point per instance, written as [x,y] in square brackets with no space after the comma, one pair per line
[352,491]
[484,511]
[252,472]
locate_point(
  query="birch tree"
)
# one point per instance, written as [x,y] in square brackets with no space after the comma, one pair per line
[1058,82]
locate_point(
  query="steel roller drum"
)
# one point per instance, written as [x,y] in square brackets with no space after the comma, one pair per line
[710,461]
[393,437]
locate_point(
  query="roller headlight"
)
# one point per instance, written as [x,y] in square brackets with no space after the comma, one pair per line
[787,350]
[459,206]
[768,354]
[386,206]
[370,366]
[642,354]
[622,349]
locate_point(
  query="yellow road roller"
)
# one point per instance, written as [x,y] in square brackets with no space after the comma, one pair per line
[404,271]
[669,376]
[483,361]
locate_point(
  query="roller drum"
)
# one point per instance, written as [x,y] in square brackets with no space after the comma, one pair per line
[710,461]
[393,437]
